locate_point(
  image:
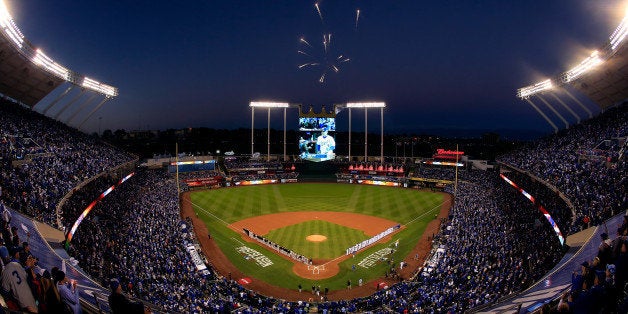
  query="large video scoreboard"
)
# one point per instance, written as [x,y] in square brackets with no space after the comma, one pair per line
[317,140]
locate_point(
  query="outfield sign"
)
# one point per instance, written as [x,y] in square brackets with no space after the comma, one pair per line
[372,240]
[258,257]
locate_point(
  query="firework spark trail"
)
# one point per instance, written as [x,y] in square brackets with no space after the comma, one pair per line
[305,53]
[304,41]
[357,18]
[324,58]
[318,10]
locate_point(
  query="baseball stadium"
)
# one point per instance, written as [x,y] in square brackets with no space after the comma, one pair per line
[318,215]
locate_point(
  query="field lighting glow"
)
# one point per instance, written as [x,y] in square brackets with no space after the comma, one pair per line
[9,27]
[584,66]
[620,33]
[366,105]
[539,87]
[269,104]
[43,60]
[99,87]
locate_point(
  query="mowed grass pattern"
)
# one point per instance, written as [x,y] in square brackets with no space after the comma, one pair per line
[397,204]
[220,207]
[338,238]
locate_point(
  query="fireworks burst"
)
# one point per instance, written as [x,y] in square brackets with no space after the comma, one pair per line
[326,59]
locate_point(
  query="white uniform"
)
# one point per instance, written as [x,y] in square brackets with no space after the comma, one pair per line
[326,144]
[14,280]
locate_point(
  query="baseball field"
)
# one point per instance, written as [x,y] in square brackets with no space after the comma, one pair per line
[319,221]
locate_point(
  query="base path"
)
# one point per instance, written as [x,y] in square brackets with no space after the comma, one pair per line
[321,268]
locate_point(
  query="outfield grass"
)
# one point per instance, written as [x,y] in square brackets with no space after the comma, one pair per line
[220,207]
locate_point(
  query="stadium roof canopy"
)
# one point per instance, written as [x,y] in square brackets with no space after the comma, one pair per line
[22,80]
[602,78]
[608,84]
[28,75]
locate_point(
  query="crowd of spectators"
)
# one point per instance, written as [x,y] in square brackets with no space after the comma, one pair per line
[434,172]
[595,186]
[243,163]
[544,196]
[601,284]
[138,227]
[136,236]
[59,159]
[243,169]
[493,248]
[26,287]
[493,242]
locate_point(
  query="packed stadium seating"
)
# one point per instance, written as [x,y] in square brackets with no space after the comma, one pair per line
[493,243]
[593,180]
[58,159]
[519,261]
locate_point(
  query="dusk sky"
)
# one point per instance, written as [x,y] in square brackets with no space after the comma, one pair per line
[437,64]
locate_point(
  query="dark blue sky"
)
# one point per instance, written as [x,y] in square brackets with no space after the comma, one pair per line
[437,64]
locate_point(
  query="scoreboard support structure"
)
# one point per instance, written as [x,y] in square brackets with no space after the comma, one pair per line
[337,107]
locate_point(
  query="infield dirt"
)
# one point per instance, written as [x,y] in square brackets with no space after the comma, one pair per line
[369,224]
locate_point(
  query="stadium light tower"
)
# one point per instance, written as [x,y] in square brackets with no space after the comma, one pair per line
[619,35]
[366,106]
[41,61]
[585,66]
[527,92]
[268,105]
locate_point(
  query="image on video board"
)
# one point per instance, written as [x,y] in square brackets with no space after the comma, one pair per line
[316,138]
[317,124]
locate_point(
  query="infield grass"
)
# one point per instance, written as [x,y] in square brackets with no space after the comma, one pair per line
[220,207]
[294,237]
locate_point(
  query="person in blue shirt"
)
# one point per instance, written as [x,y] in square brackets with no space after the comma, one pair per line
[68,292]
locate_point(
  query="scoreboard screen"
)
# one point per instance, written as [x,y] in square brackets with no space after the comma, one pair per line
[316,138]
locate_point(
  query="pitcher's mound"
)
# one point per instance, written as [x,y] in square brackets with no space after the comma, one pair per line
[316,238]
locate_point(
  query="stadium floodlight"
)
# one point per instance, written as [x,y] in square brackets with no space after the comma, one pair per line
[8,26]
[269,104]
[539,87]
[99,87]
[43,60]
[584,66]
[366,105]
[620,33]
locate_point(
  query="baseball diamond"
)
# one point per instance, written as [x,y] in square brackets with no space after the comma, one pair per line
[319,221]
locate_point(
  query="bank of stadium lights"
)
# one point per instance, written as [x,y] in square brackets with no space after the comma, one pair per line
[9,27]
[366,105]
[99,87]
[526,92]
[620,33]
[269,104]
[13,33]
[44,61]
[584,66]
